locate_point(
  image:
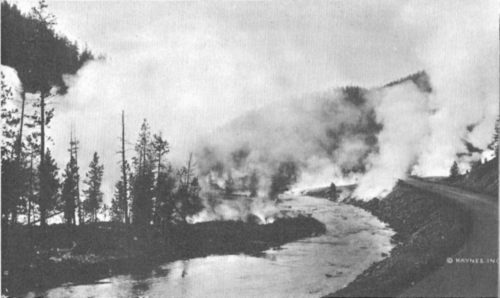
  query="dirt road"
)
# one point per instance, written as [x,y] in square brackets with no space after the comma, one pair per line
[473,271]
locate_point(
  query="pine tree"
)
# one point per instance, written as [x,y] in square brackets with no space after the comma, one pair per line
[69,191]
[454,171]
[93,193]
[123,192]
[160,147]
[143,178]
[117,207]
[49,187]
[119,203]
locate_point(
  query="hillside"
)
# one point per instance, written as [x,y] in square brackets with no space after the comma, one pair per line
[482,178]
[421,79]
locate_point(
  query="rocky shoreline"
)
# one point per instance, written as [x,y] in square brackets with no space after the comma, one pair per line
[429,228]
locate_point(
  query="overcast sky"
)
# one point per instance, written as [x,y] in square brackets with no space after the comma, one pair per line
[189,67]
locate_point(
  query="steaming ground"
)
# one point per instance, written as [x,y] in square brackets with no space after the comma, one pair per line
[371,137]
[257,210]
[375,136]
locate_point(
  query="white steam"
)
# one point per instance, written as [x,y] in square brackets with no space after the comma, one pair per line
[424,133]
[462,61]
[326,136]
[402,110]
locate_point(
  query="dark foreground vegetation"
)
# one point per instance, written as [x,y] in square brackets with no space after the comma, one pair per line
[41,258]
[428,229]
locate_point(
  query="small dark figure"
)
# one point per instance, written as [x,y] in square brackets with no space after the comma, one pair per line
[333,192]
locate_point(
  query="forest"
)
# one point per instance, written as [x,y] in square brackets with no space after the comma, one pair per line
[150,190]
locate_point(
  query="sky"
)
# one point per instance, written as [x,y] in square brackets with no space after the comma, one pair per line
[190,67]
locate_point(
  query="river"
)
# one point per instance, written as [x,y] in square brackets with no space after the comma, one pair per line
[310,267]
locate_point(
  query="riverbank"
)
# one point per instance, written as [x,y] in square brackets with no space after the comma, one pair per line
[39,259]
[429,228]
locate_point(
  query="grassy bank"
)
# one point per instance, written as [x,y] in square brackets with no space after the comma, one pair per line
[36,259]
[428,230]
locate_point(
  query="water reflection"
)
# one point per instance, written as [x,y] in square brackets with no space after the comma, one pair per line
[308,268]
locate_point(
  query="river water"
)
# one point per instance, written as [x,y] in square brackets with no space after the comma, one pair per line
[307,268]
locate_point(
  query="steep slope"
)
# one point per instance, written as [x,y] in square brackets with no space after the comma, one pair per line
[482,178]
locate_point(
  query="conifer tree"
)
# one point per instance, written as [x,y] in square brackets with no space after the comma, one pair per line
[160,148]
[122,204]
[117,209]
[69,191]
[143,178]
[49,187]
[93,193]
[454,171]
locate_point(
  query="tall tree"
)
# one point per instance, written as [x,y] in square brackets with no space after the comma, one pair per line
[49,187]
[73,150]
[160,148]
[117,208]
[69,191]
[93,192]
[43,29]
[123,191]
[143,178]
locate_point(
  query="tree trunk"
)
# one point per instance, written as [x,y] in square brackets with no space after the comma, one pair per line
[81,220]
[157,201]
[124,172]
[31,188]
[43,186]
